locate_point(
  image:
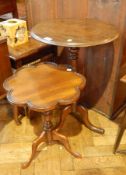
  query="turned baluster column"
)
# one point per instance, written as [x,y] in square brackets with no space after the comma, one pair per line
[73,57]
[48,126]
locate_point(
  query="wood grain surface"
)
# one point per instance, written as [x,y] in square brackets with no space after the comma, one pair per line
[44,87]
[74,33]
[26,49]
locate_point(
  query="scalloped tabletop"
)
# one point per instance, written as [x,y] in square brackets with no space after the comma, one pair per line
[43,87]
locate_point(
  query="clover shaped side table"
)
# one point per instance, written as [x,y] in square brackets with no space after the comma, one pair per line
[44,88]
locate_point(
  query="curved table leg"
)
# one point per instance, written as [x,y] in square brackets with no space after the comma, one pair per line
[72,58]
[64,141]
[65,112]
[118,140]
[26,111]
[34,149]
[16,116]
[121,130]
[84,113]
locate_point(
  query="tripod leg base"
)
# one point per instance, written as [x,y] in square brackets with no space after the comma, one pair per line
[35,145]
[64,141]
[84,113]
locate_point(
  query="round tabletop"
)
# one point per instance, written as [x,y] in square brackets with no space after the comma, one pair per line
[74,33]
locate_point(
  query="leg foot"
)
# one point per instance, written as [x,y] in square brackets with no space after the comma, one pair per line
[118,139]
[34,149]
[84,113]
[121,130]
[64,141]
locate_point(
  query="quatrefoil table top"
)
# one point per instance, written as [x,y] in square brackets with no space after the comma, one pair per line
[43,87]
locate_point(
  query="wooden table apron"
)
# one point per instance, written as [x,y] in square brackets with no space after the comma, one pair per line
[76,34]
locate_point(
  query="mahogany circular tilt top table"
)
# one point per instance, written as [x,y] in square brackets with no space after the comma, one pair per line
[74,34]
[82,33]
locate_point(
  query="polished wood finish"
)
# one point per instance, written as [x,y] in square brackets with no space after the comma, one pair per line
[74,33]
[104,11]
[30,52]
[84,112]
[39,79]
[8,6]
[63,84]
[82,33]
[66,111]
[54,9]
[5,67]
[47,88]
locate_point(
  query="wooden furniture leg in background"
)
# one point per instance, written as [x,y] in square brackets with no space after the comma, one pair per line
[17,116]
[84,113]
[65,112]
[72,59]
[121,130]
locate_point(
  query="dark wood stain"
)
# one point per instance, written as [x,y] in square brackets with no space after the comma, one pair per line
[112,12]
[5,67]
[8,6]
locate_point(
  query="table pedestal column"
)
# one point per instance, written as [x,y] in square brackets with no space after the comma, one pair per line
[73,56]
[72,60]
